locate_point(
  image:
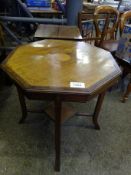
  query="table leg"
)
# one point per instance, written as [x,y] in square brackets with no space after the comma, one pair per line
[58,106]
[97,110]
[23,105]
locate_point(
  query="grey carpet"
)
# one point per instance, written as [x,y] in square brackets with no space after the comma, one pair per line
[28,149]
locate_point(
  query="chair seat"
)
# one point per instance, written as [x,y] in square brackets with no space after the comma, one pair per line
[110,45]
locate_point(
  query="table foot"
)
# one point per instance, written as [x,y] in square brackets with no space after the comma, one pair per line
[96,125]
[97,110]
[23,105]
[58,109]
[123,99]
[57,166]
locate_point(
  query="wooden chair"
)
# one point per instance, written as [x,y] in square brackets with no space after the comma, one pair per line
[85,24]
[126,16]
[110,17]
[126,71]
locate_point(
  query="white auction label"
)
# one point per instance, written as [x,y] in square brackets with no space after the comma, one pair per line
[77,84]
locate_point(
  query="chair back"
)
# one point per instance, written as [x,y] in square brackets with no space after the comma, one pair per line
[106,21]
[85,24]
[126,16]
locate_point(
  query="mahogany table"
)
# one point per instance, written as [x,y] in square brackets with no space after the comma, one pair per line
[45,31]
[60,71]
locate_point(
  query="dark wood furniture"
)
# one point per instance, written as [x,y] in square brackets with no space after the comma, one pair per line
[60,71]
[45,31]
[46,13]
[125,17]
[128,90]
[85,24]
[126,71]
[123,20]
[110,18]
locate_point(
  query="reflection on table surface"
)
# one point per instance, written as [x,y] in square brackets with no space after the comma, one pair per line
[57,63]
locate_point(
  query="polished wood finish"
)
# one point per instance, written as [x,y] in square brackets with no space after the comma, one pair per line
[124,18]
[108,13]
[54,70]
[45,31]
[51,65]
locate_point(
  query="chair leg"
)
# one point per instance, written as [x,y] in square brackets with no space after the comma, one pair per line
[128,90]
[97,110]
[23,105]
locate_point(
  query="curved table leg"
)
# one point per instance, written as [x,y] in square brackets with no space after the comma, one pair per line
[97,110]
[23,105]
[58,106]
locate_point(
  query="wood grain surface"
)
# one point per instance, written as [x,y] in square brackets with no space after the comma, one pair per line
[54,64]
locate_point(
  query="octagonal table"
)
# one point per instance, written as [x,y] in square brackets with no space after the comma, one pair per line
[60,71]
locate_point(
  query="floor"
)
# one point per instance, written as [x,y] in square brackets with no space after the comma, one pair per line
[28,149]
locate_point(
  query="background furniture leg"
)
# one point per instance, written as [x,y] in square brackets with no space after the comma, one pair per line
[97,110]
[128,90]
[58,107]
[23,105]
[122,83]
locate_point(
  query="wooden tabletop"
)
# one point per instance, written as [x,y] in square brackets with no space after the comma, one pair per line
[44,10]
[61,66]
[57,32]
[59,71]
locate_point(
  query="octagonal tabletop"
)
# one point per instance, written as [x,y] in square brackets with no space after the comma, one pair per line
[59,65]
